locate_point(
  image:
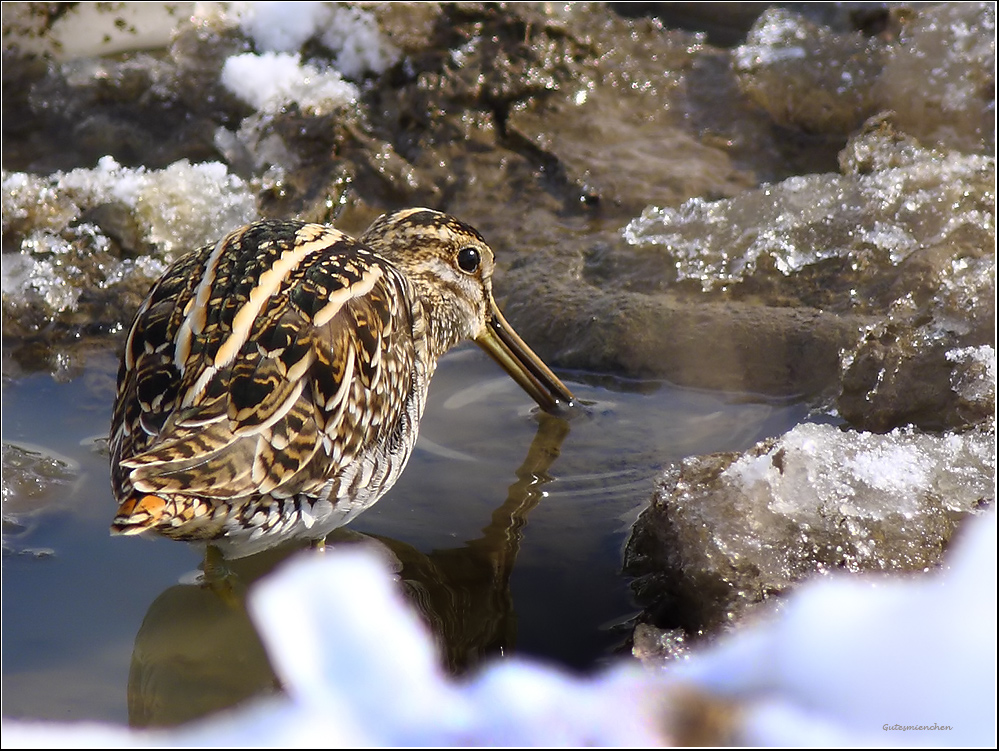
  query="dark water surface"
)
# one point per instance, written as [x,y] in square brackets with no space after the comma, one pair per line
[507,528]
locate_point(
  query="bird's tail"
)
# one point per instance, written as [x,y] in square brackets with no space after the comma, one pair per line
[140,513]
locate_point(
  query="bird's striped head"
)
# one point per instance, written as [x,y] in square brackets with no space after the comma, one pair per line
[451,268]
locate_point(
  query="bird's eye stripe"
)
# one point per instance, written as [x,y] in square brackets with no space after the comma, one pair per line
[468,260]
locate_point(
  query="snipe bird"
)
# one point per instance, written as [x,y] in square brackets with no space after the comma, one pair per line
[272,384]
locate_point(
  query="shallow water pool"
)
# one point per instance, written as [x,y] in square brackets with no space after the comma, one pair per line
[506,529]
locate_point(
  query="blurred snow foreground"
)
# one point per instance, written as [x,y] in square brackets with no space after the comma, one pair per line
[852,660]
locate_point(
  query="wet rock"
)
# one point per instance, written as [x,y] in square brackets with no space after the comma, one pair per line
[898,375]
[727,532]
[141,109]
[940,76]
[933,65]
[807,76]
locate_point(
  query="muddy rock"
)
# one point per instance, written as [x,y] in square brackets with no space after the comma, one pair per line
[733,346]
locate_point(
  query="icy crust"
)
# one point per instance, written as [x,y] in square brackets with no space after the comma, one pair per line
[89,29]
[932,64]
[726,532]
[82,238]
[850,661]
[817,473]
[874,216]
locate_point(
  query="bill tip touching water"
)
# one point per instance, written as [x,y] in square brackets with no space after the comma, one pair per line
[272,383]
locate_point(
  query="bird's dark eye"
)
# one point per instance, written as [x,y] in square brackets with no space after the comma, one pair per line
[468,260]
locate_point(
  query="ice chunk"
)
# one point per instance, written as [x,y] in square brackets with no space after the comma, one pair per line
[871,219]
[65,243]
[946,53]
[805,75]
[974,378]
[785,227]
[726,532]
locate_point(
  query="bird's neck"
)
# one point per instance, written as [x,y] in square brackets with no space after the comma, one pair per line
[436,328]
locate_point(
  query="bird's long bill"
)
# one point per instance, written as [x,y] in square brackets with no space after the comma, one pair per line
[509,350]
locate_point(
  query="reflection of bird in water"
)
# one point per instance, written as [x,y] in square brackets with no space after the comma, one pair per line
[272,384]
[197,652]
[464,593]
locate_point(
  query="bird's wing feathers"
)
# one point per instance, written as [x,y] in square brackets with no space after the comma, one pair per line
[262,365]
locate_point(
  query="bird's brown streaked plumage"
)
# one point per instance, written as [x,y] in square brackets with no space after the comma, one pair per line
[272,384]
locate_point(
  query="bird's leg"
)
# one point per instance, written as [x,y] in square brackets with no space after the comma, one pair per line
[319,545]
[218,577]
[214,565]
